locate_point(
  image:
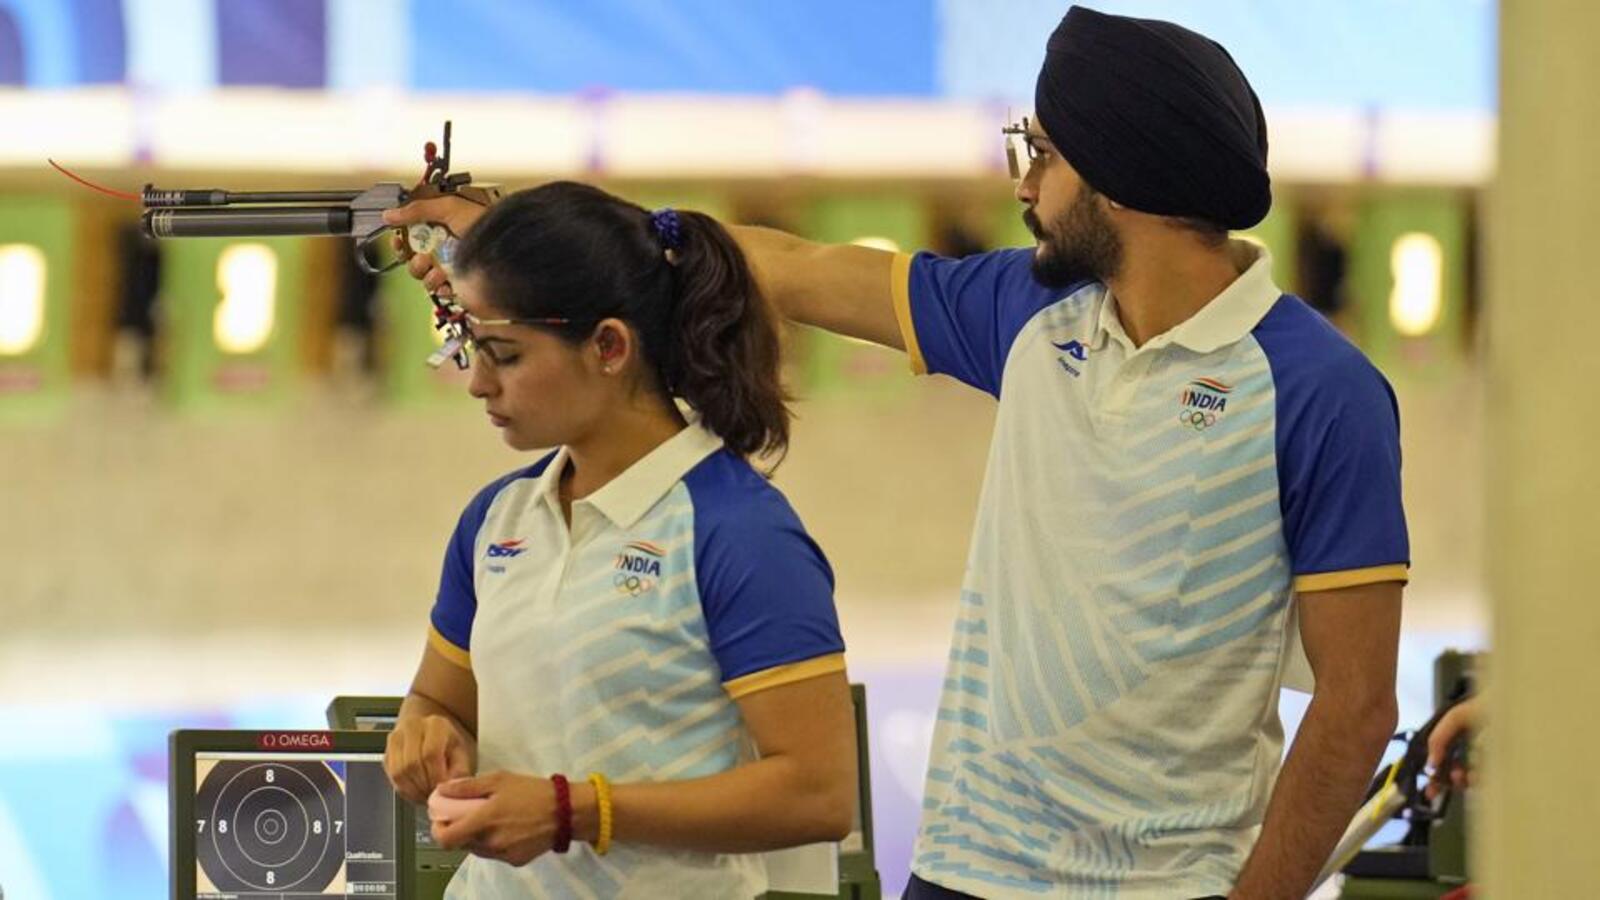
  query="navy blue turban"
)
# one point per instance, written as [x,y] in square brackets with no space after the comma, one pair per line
[1156,117]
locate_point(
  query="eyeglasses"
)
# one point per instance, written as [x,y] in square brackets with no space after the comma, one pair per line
[459,340]
[1020,146]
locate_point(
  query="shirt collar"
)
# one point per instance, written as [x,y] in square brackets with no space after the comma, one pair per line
[1228,316]
[1106,325]
[626,498]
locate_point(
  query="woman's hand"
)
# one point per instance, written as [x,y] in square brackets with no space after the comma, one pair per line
[516,823]
[453,213]
[424,751]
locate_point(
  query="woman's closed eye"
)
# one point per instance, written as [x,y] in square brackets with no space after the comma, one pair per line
[498,353]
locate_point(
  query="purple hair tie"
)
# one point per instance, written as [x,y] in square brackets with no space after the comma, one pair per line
[668,228]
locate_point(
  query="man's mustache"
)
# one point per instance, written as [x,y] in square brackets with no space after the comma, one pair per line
[1031,219]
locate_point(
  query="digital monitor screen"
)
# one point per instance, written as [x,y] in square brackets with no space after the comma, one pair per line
[369,722]
[293,825]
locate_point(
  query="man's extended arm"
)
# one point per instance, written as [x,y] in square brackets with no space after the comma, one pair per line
[837,287]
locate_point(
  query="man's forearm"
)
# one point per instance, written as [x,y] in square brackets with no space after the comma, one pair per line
[837,287]
[1318,792]
[771,254]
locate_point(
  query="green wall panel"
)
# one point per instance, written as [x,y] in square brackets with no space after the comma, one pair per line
[1383,219]
[196,372]
[34,381]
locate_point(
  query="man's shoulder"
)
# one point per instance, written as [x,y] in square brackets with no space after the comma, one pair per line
[1311,359]
[1076,302]
[1007,270]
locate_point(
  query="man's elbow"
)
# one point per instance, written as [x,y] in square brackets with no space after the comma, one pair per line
[1382,720]
[840,817]
[1370,719]
[836,824]
[832,809]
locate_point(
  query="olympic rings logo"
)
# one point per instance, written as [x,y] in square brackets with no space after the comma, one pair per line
[1196,419]
[632,585]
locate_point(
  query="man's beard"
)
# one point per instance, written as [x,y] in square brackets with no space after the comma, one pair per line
[1081,244]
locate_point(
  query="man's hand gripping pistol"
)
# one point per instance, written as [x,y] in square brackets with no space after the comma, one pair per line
[357,214]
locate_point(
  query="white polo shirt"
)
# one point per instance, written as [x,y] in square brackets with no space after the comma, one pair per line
[619,645]
[1108,725]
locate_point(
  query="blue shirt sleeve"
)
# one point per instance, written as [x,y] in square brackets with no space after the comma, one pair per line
[457,601]
[1338,442]
[765,587]
[967,312]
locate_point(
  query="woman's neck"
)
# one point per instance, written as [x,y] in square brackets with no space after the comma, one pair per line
[626,436]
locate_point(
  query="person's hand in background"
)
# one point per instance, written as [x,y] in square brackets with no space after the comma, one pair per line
[1444,761]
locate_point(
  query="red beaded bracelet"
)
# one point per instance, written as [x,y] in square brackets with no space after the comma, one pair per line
[563,814]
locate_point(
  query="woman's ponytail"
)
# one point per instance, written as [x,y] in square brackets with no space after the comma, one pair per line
[572,251]
[724,359]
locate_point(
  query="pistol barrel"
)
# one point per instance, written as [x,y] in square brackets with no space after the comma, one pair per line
[264,221]
[154,198]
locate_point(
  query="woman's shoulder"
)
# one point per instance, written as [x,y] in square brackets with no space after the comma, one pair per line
[486,495]
[725,489]
[748,538]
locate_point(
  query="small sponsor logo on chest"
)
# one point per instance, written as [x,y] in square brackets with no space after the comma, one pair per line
[1202,402]
[638,566]
[1073,352]
[499,550]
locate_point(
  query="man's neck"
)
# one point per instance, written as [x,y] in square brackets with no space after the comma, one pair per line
[1158,291]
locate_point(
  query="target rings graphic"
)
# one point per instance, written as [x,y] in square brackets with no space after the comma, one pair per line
[270,826]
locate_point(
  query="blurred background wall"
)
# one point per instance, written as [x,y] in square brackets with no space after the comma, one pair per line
[226,478]
[1543,682]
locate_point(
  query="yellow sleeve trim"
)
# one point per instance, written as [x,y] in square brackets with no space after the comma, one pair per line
[788,673]
[900,287]
[448,650]
[1330,581]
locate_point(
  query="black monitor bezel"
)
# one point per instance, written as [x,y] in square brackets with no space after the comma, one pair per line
[345,710]
[184,744]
